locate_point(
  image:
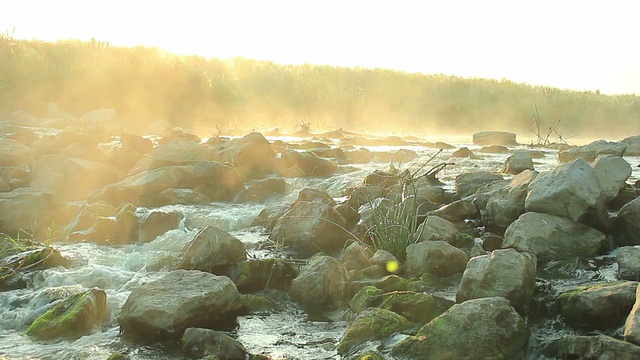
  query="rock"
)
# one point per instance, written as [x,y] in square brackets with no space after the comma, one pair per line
[123,229]
[26,208]
[626,224]
[370,324]
[260,274]
[321,285]
[162,309]
[198,343]
[158,223]
[212,250]
[632,323]
[420,308]
[494,149]
[612,172]
[468,183]
[462,152]
[182,196]
[457,211]
[14,153]
[269,216]
[502,202]
[435,257]
[314,195]
[495,138]
[137,143]
[356,257]
[262,190]
[506,273]
[368,296]
[628,259]
[569,190]
[179,153]
[436,228]
[22,118]
[365,194]
[252,155]
[310,163]
[488,328]
[599,347]
[590,151]
[598,307]
[310,227]
[633,145]
[552,237]
[72,318]
[517,163]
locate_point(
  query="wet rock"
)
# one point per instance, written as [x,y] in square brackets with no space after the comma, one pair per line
[436,228]
[590,151]
[162,309]
[251,154]
[381,178]
[365,194]
[468,183]
[490,137]
[158,223]
[488,328]
[435,257]
[72,318]
[212,250]
[599,347]
[314,195]
[628,259]
[118,230]
[462,152]
[494,149]
[632,323]
[261,274]
[370,324]
[419,308]
[269,216]
[517,163]
[262,190]
[552,237]
[26,208]
[310,163]
[367,296]
[356,257]
[198,343]
[600,307]
[321,285]
[633,145]
[502,202]
[311,227]
[612,172]
[27,255]
[626,224]
[506,273]
[15,153]
[569,190]
[457,211]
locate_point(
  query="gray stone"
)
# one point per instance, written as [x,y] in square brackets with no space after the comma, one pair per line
[517,163]
[435,257]
[627,224]
[612,172]
[468,183]
[591,151]
[198,343]
[632,324]
[321,285]
[599,347]
[212,249]
[492,137]
[628,259]
[437,228]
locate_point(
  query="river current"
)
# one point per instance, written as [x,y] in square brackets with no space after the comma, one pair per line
[284,334]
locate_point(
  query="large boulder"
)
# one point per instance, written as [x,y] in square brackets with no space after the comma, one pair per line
[260,274]
[632,323]
[212,250]
[370,324]
[252,155]
[262,190]
[158,223]
[598,307]
[15,153]
[502,202]
[628,259]
[488,328]
[571,191]
[627,224]
[419,307]
[492,137]
[612,172]
[200,343]
[178,153]
[552,237]
[506,273]
[321,285]
[311,227]
[162,309]
[633,145]
[76,316]
[591,151]
[26,208]
[437,228]
[436,258]
[468,183]
[599,347]
[309,163]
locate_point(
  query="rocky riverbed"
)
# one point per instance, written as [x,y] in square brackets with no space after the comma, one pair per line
[166,245]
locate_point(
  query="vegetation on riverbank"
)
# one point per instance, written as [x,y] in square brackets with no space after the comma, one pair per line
[147,84]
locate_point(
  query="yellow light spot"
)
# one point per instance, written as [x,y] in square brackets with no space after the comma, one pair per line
[392,266]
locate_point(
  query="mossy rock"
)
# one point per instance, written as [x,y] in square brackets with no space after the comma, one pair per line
[371,324]
[72,318]
[256,275]
[369,355]
[257,303]
[391,283]
[419,307]
[368,296]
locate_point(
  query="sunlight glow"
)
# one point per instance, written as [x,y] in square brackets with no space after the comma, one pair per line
[568,44]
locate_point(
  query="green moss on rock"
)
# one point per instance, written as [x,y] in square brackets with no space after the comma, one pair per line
[371,324]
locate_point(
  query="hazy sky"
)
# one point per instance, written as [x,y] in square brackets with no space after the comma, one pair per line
[585,45]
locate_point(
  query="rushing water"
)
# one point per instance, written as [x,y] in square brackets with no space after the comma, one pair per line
[284,334]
